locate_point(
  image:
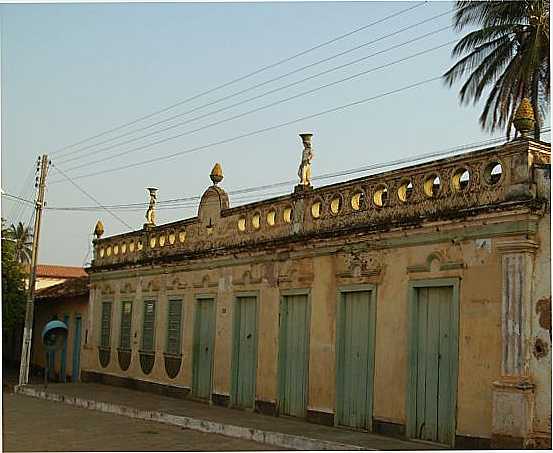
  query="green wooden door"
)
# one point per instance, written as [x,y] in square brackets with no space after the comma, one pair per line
[293,355]
[434,365]
[244,358]
[126,325]
[148,326]
[202,361]
[355,352]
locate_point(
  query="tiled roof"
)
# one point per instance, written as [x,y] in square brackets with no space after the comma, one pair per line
[72,287]
[53,271]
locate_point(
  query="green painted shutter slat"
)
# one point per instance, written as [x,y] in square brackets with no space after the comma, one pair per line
[148,326]
[431,429]
[105,328]
[204,335]
[445,375]
[174,323]
[422,309]
[294,355]
[126,319]
[244,352]
[435,361]
[355,349]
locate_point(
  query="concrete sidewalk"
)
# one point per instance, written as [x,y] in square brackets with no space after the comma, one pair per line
[282,432]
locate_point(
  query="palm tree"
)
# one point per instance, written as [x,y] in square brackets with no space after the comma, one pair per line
[23,239]
[507,56]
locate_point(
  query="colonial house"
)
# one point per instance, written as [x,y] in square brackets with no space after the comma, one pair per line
[51,274]
[68,302]
[47,275]
[412,302]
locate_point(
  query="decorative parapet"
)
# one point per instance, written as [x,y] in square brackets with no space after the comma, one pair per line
[447,188]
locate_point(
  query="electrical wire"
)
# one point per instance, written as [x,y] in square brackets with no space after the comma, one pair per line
[257,86]
[91,197]
[244,77]
[258,131]
[26,191]
[14,197]
[178,203]
[181,123]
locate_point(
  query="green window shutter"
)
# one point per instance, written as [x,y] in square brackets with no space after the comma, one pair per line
[174,326]
[105,325]
[148,325]
[126,318]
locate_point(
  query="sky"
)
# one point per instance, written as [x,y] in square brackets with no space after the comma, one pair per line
[73,71]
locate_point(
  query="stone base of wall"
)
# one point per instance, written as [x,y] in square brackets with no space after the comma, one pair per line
[134,384]
[323,418]
[265,407]
[220,400]
[472,443]
[502,442]
[320,418]
[541,441]
[388,428]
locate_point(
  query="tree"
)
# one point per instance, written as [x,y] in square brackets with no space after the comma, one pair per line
[507,56]
[23,238]
[13,285]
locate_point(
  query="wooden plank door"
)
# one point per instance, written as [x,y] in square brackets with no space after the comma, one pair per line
[244,360]
[63,365]
[202,361]
[435,357]
[294,355]
[76,371]
[355,358]
[148,326]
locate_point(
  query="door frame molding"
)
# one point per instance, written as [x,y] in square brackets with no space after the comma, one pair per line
[411,395]
[282,294]
[340,340]
[234,350]
[197,298]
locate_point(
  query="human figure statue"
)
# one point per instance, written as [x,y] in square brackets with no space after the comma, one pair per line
[304,172]
[151,213]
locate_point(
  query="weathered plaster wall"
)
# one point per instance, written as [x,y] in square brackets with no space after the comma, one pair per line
[540,312]
[390,376]
[388,248]
[479,339]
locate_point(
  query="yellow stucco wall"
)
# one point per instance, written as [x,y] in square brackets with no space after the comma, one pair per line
[479,273]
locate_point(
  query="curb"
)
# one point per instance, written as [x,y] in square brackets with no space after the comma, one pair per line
[289,441]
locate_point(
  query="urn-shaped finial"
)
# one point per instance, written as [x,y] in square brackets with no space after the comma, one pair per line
[216,174]
[99,229]
[524,120]
[306,139]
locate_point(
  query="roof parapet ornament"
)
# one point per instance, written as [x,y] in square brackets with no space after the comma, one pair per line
[99,229]
[151,212]
[216,174]
[304,170]
[524,119]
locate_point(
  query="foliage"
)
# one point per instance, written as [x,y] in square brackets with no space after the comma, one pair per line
[507,56]
[13,284]
[23,238]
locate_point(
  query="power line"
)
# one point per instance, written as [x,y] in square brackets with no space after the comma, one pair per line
[26,190]
[91,197]
[113,156]
[262,69]
[20,199]
[259,131]
[178,203]
[259,85]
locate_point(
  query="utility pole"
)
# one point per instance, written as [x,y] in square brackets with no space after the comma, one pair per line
[30,309]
